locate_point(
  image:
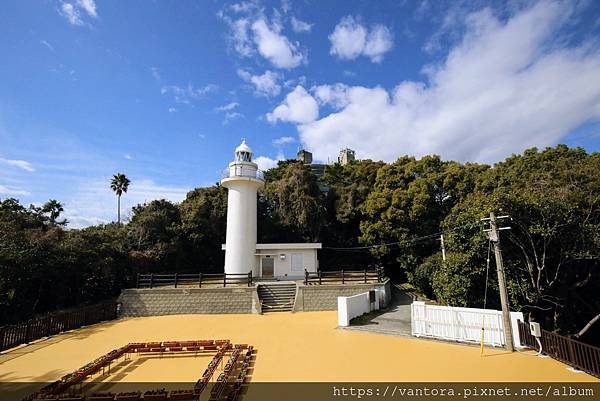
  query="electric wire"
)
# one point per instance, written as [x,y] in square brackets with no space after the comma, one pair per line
[402,243]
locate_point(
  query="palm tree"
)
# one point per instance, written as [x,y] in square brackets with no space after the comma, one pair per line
[54,208]
[119,184]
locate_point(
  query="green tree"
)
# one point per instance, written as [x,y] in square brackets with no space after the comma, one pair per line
[154,236]
[409,200]
[349,186]
[551,251]
[119,184]
[291,205]
[53,208]
[203,225]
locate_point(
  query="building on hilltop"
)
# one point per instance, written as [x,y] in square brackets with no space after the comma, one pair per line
[304,156]
[346,156]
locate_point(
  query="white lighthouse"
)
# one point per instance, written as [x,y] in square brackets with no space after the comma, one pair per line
[242,179]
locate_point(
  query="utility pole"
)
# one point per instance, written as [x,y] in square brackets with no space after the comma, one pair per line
[494,233]
[443,247]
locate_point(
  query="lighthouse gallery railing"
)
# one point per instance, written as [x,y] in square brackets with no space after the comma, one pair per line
[240,171]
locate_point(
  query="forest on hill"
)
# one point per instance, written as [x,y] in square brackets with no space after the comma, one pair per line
[373,212]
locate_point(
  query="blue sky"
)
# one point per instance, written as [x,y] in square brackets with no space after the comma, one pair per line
[163,91]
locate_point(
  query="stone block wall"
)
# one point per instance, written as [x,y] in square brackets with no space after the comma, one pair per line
[324,297]
[173,301]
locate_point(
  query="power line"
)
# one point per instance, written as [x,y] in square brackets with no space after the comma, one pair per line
[401,243]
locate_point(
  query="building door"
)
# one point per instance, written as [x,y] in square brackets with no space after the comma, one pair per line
[268,266]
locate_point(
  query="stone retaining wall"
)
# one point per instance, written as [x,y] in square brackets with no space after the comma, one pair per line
[324,297]
[173,301]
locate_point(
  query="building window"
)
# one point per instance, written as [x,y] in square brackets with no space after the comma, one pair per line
[244,157]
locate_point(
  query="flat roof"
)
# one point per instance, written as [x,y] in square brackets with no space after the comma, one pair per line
[299,245]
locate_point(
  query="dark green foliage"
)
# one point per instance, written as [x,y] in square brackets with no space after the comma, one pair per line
[551,252]
[291,205]
[154,236]
[203,225]
[409,200]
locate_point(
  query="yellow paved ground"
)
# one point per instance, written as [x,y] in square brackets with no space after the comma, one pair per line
[290,347]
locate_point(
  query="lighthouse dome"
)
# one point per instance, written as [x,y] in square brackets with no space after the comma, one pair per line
[243,153]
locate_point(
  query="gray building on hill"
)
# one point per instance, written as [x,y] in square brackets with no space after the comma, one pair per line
[304,156]
[346,156]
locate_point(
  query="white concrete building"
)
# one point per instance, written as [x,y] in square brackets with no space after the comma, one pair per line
[242,254]
[285,260]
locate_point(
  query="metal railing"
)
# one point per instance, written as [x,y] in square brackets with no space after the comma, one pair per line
[54,323]
[344,276]
[152,280]
[580,355]
[240,171]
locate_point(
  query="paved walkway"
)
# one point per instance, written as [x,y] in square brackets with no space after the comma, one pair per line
[394,320]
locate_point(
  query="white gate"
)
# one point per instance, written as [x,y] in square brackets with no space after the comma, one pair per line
[461,324]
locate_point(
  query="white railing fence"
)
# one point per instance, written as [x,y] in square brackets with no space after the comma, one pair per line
[461,324]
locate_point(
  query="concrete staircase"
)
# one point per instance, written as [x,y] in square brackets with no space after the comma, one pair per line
[277,297]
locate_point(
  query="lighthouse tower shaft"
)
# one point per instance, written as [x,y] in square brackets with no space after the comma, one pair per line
[242,179]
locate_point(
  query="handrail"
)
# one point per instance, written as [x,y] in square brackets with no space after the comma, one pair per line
[240,171]
[151,280]
[581,355]
[344,276]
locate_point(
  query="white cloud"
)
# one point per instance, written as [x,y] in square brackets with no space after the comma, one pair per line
[284,140]
[94,202]
[229,112]
[240,37]
[13,191]
[72,11]
[89,6]
[244,6]
[265,84]
[298,107]
[172,110]
[335,96]
[128,157]
[252,31]
[155,73]
[187,94]
[350,39]
[378,43]
[71,14]
[507,85]
[22,164]
[232,115]
[286,5]
[275,47]
[228,107]
[300,26]
[265,163]
[48,45]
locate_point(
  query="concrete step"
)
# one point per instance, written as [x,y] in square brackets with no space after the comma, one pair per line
[277,297]
[278,294]
[271,295]
[277,308]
